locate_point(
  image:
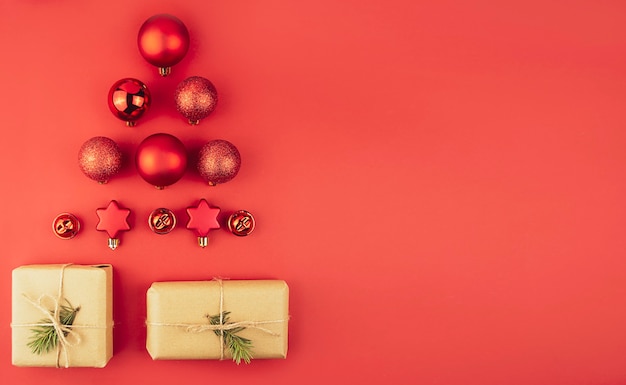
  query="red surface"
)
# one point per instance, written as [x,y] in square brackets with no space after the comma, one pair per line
[442,184]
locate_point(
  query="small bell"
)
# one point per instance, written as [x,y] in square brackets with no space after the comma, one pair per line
[162,221]
[65,226]
[241,223]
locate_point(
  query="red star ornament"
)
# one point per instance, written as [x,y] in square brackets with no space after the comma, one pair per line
[113,219]
[202,219]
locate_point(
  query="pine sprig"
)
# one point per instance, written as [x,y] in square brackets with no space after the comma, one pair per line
[45,337]
[239,347]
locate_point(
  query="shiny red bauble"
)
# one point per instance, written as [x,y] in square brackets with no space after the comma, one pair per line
[161,160]
[99,158]
[196,98]
[129,99]
[163,40]
[218,161]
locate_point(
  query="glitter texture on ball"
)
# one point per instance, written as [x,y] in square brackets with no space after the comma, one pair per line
[218,161]
[196,98]
[99,158]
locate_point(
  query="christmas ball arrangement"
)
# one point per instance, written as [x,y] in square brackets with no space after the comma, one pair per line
[161,159]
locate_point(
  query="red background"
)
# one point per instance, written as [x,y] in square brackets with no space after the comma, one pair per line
[441,183]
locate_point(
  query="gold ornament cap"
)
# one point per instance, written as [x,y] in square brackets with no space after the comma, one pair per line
[165,71]
[113,243]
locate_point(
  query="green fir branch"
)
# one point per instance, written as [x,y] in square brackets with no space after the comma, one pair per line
[239,347]
[44,338]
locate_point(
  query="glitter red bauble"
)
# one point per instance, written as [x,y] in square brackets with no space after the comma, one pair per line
[219,161]
[196,98]
[100,158]
[163,40]
[161,159]
[129,99]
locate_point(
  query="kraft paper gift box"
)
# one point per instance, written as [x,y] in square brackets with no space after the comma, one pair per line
[178,314]
[39,289]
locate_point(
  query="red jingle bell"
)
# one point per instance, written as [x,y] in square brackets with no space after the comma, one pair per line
[99,158]
[218,161]
[65,226]
[161,160]
[162,221]
[196,98]
[129,99]
[163,41]
[241,223]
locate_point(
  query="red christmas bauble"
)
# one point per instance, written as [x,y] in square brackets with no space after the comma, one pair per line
[219,161]
[129,99]
[196,98]
[163,41]
[100,158]
[161,159]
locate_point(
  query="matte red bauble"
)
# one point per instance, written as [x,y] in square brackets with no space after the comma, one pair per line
[219,161]
[196,98]
[100,158]
[129,99]
[163,41]
[161,160]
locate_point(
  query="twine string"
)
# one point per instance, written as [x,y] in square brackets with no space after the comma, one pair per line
[199,328]
[219,281]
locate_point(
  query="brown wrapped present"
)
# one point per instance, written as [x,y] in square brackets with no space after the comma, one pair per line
[217,320]
[62,315]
